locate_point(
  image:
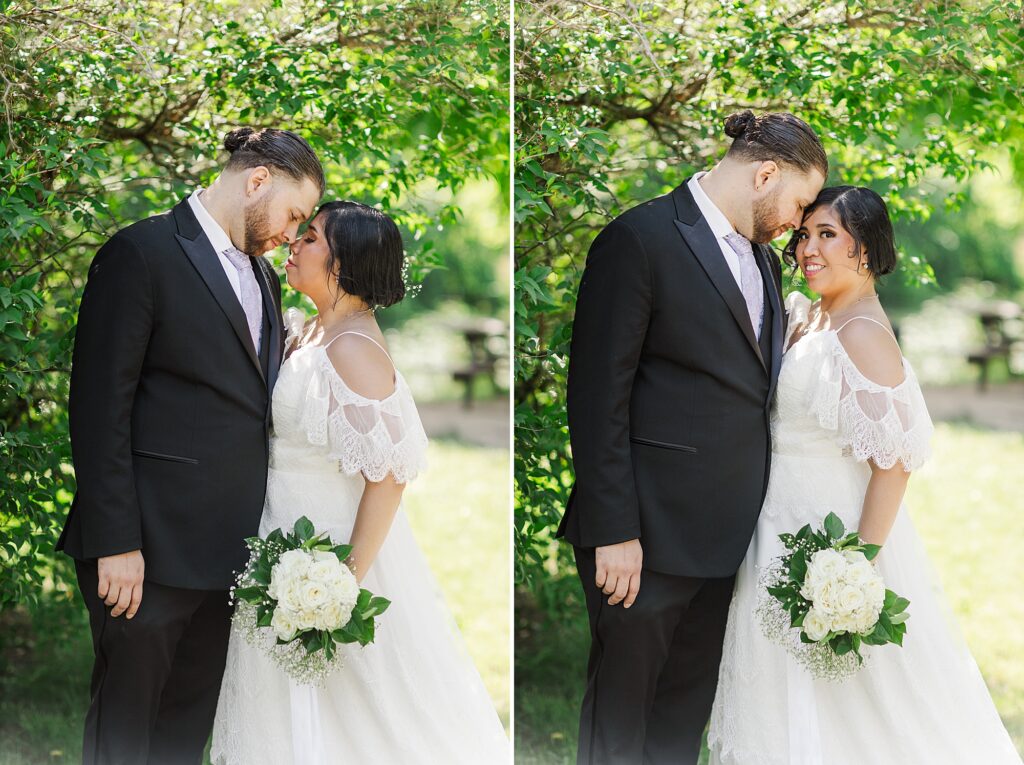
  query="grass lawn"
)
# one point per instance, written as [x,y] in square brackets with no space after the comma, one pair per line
[967,505]
[459,512]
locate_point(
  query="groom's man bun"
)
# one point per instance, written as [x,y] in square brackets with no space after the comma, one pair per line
[280,150]
[775,136]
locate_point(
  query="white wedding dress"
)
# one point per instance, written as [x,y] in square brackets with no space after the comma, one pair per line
[923,704]
[411,697]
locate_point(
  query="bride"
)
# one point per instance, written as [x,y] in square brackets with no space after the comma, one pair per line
[346,440]
[849,424]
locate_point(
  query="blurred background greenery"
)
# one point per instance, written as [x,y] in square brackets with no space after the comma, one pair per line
[113,110]
[619,102]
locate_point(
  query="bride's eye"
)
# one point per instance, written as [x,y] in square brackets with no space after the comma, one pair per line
[801,236]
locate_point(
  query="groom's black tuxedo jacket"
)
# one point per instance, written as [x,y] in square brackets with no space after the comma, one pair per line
[170,405]
[669,392]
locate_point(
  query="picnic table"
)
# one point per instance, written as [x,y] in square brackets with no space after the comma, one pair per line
[1001,328]
[487,340]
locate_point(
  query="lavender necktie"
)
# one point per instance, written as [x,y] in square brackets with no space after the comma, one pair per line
[251,300]
[750,280]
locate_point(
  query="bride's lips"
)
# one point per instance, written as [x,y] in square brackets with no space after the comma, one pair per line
[290,264]
[812,269]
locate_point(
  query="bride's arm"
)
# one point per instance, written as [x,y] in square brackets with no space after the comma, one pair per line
[882,502]
[377,510]
[875,354]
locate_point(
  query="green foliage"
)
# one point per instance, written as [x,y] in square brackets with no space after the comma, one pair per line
[113,110]
[617,103]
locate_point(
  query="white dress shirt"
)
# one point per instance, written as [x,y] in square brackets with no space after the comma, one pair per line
[218,238]
[719,224]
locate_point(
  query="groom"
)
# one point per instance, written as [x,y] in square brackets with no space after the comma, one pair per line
[177,349]
[676,347]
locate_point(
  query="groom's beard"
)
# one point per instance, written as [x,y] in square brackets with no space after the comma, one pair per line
[765,225]
[257,229]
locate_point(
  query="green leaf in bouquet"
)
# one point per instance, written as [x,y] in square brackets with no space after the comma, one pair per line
[376,606]
[783,592]
[363,600]
[367,636]
[899,618]
[788,540]
[886,624]
[804,638]
[276,537]
[342,551]
[899,605]
[265,615]
[803,533]
[249,594]
[311,641]
[304,529]
[261,573]
[851,540]
[870,551]
[253,542]
[898,631]
[842,644]
[798,566]
[834,526]
[890,600]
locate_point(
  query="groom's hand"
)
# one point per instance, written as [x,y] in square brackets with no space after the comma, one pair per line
[618,571]
[121,581]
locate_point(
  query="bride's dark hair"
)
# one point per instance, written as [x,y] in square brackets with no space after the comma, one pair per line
[864,215]
[367,257]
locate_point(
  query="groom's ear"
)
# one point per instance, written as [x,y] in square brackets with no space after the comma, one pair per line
[257,180]
[766,175]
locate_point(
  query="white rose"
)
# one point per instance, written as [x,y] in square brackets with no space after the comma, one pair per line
[860,573]
[306,619]
[330,617]
[825,600]
[866,620]
[815,625]
[827,564]
[326,570]
[283,624]
[850,599]
[313,594]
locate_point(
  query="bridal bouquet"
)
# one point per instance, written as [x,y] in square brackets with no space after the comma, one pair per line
[826,587]
[297,587]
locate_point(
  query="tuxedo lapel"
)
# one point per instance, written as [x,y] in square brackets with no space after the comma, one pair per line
[702,243]
[762,254]
[264,273]
[200,252]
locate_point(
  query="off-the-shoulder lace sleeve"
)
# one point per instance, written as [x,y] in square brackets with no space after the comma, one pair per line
[871,421]
[371,436]
[798,305]
[294,321]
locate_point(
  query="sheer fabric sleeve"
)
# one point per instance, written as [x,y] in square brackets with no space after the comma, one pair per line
[294,321]
[798,305]
[376,437]
[885,424]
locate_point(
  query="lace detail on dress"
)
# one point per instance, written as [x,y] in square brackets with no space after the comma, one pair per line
[371,436]
[294,322]
[872,421]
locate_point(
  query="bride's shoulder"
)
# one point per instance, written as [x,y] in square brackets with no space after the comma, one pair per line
[872,349]
[363,363]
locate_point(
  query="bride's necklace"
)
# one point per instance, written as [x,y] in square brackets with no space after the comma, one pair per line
[325,328]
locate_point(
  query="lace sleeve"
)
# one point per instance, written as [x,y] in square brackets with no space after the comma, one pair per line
[376,437]
[798,305]
[882,423]
[294,321]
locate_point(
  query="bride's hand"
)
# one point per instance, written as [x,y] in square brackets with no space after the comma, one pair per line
[618,571]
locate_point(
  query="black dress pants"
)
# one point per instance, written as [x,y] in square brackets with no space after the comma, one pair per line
[653,668]
[156,678]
